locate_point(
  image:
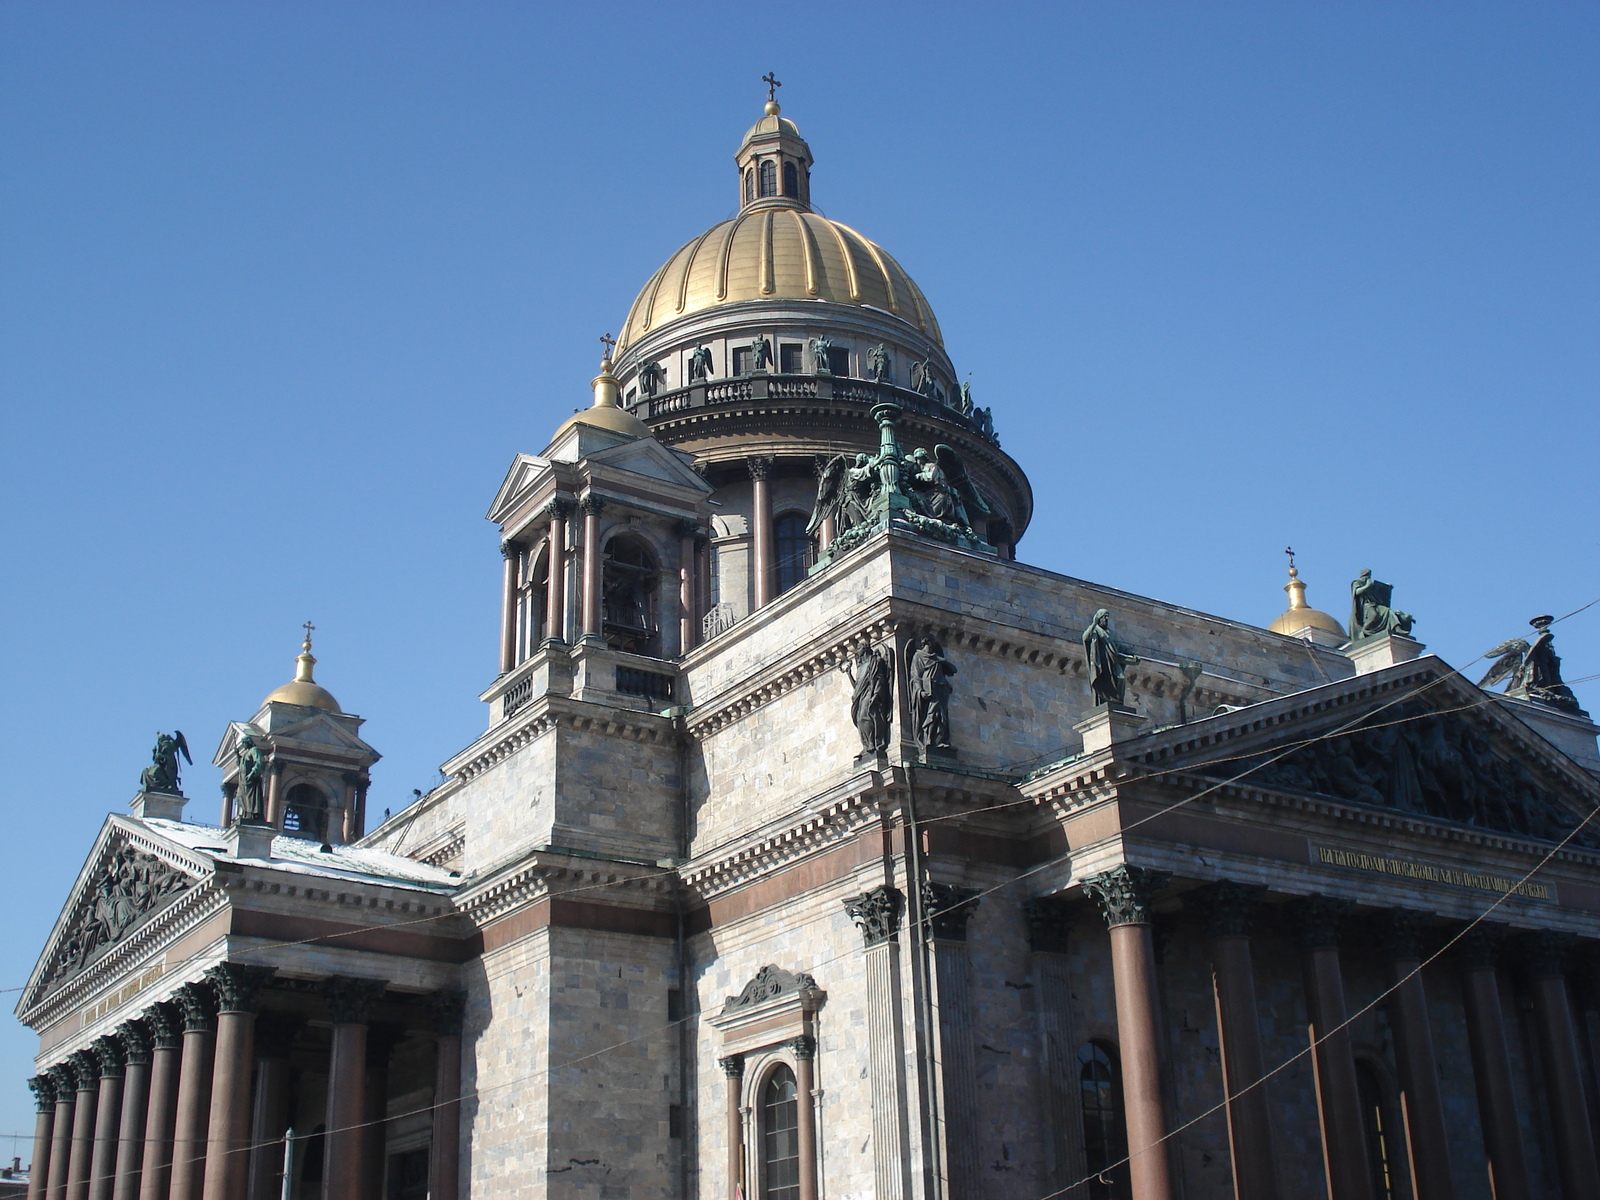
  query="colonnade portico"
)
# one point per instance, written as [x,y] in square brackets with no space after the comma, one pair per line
[192,1097]
[1398,940]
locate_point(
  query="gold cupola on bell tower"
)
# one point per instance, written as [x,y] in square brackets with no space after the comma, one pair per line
[1303,621]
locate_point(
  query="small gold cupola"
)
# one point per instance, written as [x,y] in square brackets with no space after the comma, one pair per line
[774,160]
[605,413]
[1302,620]
[303,689]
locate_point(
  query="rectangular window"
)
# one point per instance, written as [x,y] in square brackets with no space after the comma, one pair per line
[839,360]
[741,360]
[790,361]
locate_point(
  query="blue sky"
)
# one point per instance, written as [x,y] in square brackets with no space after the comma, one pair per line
[287,285]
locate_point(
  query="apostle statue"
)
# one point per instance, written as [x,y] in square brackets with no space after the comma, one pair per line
[162,773]
[878,364]
[1370,614]
[249,803]
[871,697]
[928,690]
[1107,658]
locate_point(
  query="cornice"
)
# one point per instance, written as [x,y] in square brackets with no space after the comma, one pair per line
[548,713]
[548,873]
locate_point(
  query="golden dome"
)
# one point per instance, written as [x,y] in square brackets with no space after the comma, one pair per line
[777,251]
[1301,615]
[302,689]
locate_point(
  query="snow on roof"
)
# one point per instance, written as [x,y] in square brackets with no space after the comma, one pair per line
[305,857]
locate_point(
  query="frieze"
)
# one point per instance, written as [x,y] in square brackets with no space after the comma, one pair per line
[1483,881]
[129,887]
[771,983]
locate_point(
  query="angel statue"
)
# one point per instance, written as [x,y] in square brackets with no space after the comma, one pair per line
[871,698]
[1531,671]
[162,773]
[878,363]
[1106,657]
[651,376]
[942,488]
[760,353]
[248,803]
[844,492]
[1370,614]
[821,352]
[965,403]
[700,362]
[928,690]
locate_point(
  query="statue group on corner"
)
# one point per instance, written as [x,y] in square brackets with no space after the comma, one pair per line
[1107,660]
[1532,670]
[162,773]
[1370,611]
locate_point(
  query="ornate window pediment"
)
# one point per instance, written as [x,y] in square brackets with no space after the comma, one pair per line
[774,1007]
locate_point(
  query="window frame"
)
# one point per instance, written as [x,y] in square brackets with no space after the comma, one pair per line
[763,1132]
[1114,1129]
[808,555]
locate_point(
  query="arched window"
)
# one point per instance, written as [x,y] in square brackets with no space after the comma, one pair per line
[769,177]
[1381,1122]
[780,1136]
[1105,1137]
[628,586]
[791,180]
[794,550]
[305,812]
[530,617]
[749,185]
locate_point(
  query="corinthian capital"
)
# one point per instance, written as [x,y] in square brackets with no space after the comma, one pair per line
[1124,893]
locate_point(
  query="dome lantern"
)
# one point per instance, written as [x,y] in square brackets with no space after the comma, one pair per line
[774,161]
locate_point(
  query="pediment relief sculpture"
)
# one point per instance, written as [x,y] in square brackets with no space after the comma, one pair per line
[129,887]
[770,983]
[1418,761]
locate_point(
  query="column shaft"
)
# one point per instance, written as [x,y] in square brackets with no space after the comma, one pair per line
[82,1155]
[761,528]
[347,1068]
[130,1132]
[274,814]
[107,1127]
[155,1173]
[593,606]
[1419,1084]
[1133,968]
[702,552]
[61,1143]
[508,608]
[269,1119]
[555,587]
[1255,1174]
[1491,1068]
[689,619]
[445,1166]
[44,1122]
[826,533]
[193,1116]
[375,1112]
[1568,1107]
[1344,1139]
[228,1127]
[805,1079]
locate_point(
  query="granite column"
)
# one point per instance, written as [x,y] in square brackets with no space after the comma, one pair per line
[510,553]
[1558,1055]
[555,584]
[65,1080]
[594,611]
[166,1063]
[86,1069]
[761,529]
[269,1118]
[44,1121]
[805,1079]
[136,1046]
[194,1091]
[449,1013]
[1399,939]
[228,1129]
[1491,1065]
[108,1117]
[350,1003]
[733,1073]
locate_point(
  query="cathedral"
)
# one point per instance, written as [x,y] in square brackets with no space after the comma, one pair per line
[817,847]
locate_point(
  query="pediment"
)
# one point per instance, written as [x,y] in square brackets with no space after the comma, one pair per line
[1428,744]
[129,877]
[648,457]
[526,473]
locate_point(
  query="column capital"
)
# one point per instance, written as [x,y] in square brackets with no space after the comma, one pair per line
[198,1006]
[1478,948]
[64,1076]
[1317,920]
[1227,908]
[1399,933]
[164,1024]
[1124,893]
[877,913]
[732,1066]
[237,986]
[592,505]
[136,1041]
[1049,924]
[804,1047]
[85,1069]
[509,550]
[687,529]
[44,1092]
[449,1009]
[948,907]
[351,1000]
[1543,954]
[760,466]
[558,509]
[110,1055]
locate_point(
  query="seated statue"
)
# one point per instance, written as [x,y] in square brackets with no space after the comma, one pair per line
[1370,613]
